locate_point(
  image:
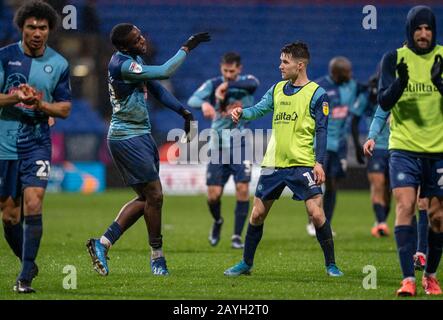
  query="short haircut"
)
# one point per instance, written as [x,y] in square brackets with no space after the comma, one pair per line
[298,50]
[230,58]
[119,33]
[37,9]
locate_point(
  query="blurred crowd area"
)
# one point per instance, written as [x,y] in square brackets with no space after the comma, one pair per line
[257,29]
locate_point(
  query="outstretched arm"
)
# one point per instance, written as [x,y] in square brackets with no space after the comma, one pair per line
[265,106]
[164,96]
[132,70]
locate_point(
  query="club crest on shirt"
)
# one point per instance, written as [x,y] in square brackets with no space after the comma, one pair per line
[325,108]
[135,67]
[48,68]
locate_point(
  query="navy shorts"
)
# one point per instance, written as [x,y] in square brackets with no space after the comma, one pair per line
[379,162]
[335,166]
[433,178]
[227,162]
[300,180]
[136,159]
[407,170]
[16,175]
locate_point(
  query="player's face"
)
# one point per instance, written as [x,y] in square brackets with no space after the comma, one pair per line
[35,34]
[230,71]
[290,67]
[423,36]
[342,74]
[136,43]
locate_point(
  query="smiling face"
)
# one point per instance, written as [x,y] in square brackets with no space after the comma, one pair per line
[135,43]
[423,36]
[35,35]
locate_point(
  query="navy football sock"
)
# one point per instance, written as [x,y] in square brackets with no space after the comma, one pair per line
[380,212]
[253,237]
[214,208]
[435,241]
[14,236]
[422,230]
[324,237]
[329,200]
[113,233]
[33,230]
[404,236]
[241,213]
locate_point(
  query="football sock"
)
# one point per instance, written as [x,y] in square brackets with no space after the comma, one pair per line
[112,234]
[435,241]
[252,239]
[324,237]
[14,236]
[404,236]
[380,212]
[214,208]
[422,230]
[33,230]
[329,200]
[156,243]
[241,213]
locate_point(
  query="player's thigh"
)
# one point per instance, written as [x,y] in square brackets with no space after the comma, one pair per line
[300,180]
[136,159]
[270,185]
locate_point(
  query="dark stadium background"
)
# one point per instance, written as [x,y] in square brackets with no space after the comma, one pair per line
[255,29]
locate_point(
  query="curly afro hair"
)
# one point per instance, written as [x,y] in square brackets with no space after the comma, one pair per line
[37,9]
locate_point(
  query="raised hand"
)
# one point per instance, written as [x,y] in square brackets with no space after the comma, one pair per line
[196,39]
[402,70]
[437,70]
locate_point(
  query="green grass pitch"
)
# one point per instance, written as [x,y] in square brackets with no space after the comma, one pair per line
[288,263]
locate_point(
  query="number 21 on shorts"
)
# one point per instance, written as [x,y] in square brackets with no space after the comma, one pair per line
[43,171]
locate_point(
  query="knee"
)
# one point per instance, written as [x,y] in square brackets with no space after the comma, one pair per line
[405,208]
[436,221]
[257,218]
[33,205]
[155,199]
[213,198]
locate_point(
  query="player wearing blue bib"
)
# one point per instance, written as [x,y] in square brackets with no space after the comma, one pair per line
[34,85]
[217,97]
[129,139]
[343,92]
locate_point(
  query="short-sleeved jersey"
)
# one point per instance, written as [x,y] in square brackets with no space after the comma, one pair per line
[130,115]
[223,120]
[23,130]
[341,99]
